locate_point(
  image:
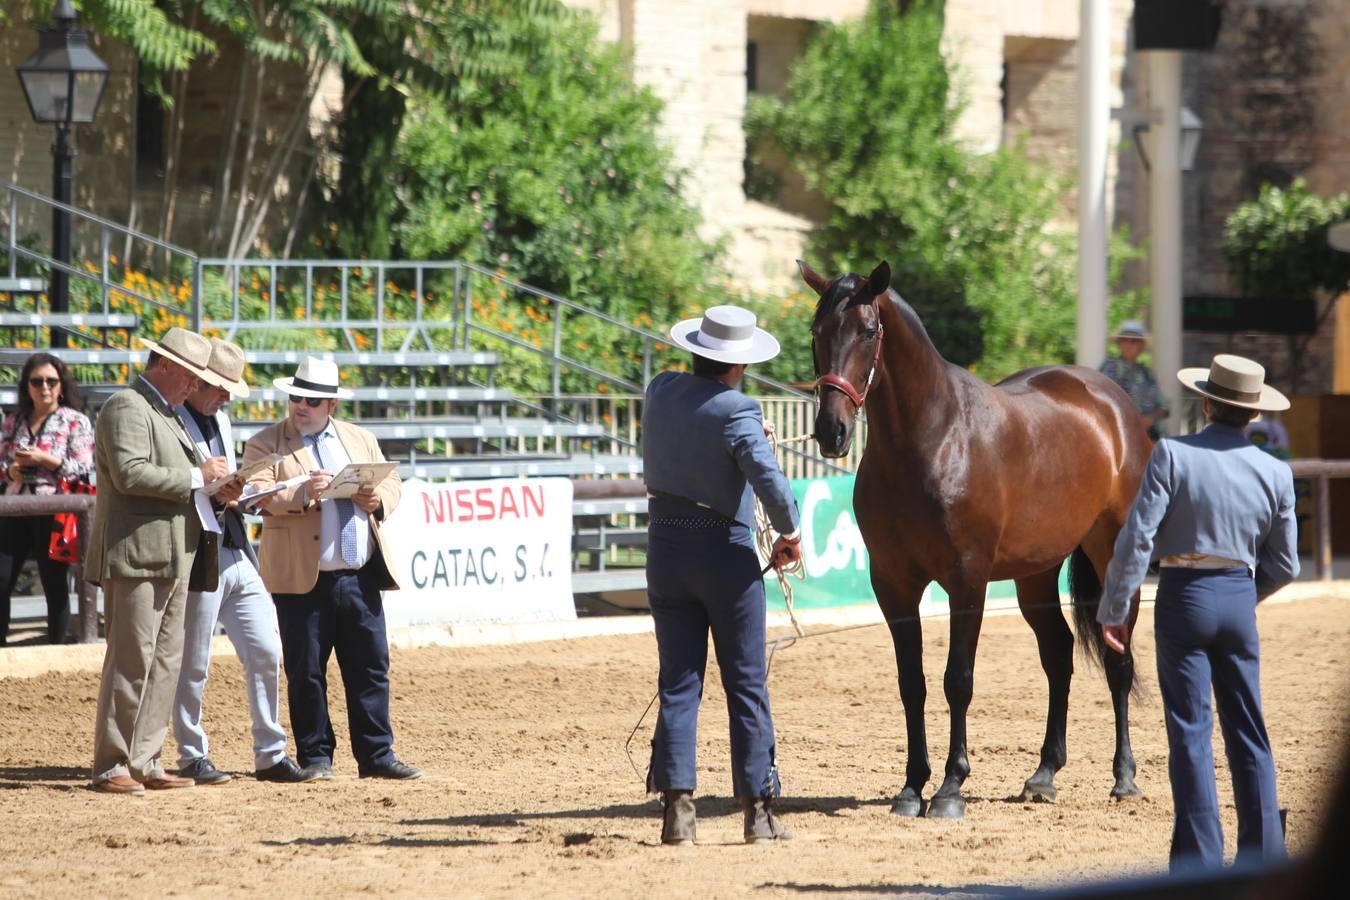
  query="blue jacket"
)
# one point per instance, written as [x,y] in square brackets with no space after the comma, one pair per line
[1215,493]
[704,441]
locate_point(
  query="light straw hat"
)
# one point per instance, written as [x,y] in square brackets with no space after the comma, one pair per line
[726,334]
[314,378]
[186,348]
[1237,381]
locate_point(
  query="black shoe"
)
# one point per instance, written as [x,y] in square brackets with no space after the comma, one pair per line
[203,771]
[321,770]
[679,827]
[392,769]
[761,825]
[286,772]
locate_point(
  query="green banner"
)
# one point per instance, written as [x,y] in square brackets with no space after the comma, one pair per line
[835,558]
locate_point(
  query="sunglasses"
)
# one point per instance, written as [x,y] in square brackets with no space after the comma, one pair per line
[311,402]
[43,382]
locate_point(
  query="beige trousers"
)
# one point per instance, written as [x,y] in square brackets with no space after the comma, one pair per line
[144,624]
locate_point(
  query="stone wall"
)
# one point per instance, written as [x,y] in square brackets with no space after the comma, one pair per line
[1272,96]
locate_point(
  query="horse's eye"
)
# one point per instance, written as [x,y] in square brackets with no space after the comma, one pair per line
[871,333]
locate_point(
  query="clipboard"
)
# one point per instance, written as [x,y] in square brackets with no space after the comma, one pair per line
[355,476]
[250,500]
[243,472]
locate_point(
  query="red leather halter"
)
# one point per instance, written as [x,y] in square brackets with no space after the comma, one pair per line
[840,383]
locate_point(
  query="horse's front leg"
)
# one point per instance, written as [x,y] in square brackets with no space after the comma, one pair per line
[907,635]
[967,607]
[1120,678]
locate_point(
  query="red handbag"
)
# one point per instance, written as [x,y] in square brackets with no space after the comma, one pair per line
[64,546]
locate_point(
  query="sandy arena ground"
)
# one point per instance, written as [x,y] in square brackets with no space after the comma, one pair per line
[528,791]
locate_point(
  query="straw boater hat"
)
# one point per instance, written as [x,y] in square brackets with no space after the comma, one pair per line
[1236,381]
[726,334]
[314,378]
[186,348]
[1131,329]
[227,368]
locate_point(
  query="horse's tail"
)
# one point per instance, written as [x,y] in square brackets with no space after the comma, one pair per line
[1085,589]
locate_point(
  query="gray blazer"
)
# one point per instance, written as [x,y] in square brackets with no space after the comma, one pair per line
[227,440]
[145,525]
[1215,493]
[704,441]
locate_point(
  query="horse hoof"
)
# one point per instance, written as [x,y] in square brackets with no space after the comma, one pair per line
[1124,792]
[947,807]
[1038,793]
[908,805]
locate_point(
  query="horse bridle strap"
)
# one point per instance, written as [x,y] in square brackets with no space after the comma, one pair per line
[840,383]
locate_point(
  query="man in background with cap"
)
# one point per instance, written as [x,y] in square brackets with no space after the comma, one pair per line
[325,564]
[706,456]
[147,531]
[1135,378]
[1218,515]
[240,602]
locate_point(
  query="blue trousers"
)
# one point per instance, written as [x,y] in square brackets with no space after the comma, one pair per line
[343,612]
[701,579]
[1205,621]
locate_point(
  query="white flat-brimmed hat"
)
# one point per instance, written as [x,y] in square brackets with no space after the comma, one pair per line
[1237,381]
[726,334]
[314,377]
[1131,329]
[186,348]
[226,368]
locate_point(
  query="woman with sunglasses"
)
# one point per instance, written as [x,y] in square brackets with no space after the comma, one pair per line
[46,441]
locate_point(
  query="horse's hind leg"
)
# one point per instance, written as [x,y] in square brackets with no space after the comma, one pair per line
[1098,546]
[1038,597]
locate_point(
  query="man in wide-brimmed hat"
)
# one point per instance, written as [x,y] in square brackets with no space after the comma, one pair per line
[147,533]
[706,456]
[325,563]
[1218,515]
[1135,378]
[240,602]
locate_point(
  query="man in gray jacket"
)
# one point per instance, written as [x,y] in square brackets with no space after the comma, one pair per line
[706,455]
[1218,514]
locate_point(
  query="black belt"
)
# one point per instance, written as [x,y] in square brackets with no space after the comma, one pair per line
[692,522]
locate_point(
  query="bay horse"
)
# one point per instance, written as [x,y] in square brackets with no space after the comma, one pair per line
[963,483]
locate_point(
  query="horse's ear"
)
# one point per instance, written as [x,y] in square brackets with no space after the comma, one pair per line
[880,280]
[813,279]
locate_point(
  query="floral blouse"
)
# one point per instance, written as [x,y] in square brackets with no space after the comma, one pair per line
[66,434]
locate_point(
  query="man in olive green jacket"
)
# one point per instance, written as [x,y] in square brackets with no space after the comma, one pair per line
[146,533]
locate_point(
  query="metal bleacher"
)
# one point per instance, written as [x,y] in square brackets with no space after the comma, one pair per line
[417,336]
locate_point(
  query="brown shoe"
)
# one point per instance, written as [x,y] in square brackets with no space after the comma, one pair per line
[120,784]
[679,828]
[167,782]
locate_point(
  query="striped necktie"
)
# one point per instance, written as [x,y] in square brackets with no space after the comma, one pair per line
[346,511]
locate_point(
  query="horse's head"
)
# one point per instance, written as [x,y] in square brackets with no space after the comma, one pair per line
[846,339]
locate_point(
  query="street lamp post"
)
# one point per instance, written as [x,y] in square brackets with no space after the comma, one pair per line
[63,83]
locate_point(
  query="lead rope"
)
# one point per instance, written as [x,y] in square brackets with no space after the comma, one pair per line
[765,536]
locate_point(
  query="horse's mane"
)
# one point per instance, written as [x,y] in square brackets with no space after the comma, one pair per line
[843,292]
[840,291]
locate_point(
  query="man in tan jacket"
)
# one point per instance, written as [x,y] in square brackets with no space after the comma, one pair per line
[325,564]
[146,534]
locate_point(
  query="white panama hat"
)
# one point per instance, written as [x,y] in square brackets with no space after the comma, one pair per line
[314,377]
[1235,380]
[726,334]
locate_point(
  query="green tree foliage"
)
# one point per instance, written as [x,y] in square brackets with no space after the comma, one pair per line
[549,168]
[869,121]
[1276,245]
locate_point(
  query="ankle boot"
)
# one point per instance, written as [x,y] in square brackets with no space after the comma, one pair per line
[761,824]
[679,827]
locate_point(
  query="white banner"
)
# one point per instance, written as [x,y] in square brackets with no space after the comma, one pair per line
[481,551]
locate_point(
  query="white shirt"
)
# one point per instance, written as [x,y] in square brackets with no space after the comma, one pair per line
[199,498]
[335,457]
